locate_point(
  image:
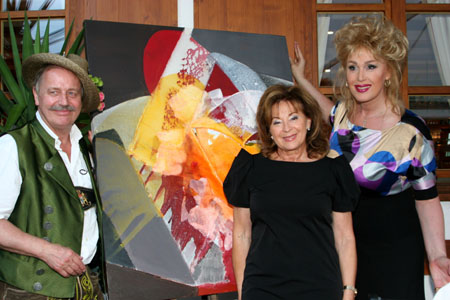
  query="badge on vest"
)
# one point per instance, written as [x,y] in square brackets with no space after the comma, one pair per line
[86,196]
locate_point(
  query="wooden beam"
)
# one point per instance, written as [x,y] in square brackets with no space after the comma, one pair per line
[350,8]
[428,90]
[427,8]
[58,13]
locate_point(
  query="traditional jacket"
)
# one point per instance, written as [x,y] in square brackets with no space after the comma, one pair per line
[47,207]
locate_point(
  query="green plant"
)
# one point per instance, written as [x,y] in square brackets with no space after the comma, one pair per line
[19,108]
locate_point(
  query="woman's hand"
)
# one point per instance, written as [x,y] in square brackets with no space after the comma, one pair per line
[440,271]
[298,64]
[298,71]
[242,232]
[348,295]
[432,223]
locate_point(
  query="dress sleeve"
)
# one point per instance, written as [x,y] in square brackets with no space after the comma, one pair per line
[235,184]
[421,172]
[422,166]
[347,190]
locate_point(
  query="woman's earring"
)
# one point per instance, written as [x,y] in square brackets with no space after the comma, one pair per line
[346,84]
[308,129]
[387,83]
[271,137]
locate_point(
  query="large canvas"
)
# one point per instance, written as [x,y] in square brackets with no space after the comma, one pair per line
[180,104]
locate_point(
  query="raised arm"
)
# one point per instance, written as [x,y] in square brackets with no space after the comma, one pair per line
[298,71]
[346,249]
[242,229]
[432,223]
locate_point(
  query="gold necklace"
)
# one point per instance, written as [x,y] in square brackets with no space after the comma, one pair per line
[373,117]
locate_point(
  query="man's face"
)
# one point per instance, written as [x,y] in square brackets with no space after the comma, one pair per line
[58,99]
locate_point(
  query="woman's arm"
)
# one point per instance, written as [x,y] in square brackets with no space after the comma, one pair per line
[432,223]
[346,249]
[298,71]
[242,230]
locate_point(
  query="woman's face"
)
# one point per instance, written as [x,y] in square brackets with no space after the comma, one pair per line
[366,76]
[288,127]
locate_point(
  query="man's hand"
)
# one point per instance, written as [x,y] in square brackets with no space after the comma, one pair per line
[63,260]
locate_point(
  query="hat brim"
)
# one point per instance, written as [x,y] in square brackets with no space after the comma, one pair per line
[36,62]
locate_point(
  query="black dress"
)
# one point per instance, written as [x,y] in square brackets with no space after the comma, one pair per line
[292,253]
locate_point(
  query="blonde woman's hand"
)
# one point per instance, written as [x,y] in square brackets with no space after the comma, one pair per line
[297,64]
[440,271]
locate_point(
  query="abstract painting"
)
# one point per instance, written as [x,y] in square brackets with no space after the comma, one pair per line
[181,104]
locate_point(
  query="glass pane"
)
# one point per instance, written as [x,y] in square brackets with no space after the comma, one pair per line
[436,112]
[327,25]
[429,58]
[11,5]
[56,36]
[427,1]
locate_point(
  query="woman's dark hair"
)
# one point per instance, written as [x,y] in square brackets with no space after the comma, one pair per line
[316,138]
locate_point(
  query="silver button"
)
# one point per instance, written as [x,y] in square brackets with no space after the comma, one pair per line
[48,209]
[47,225]
[40,272]
[48,166]
[37,286]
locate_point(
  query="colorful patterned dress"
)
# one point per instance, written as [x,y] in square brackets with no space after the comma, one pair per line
[394,167]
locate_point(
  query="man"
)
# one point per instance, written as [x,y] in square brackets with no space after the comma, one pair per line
[49,208]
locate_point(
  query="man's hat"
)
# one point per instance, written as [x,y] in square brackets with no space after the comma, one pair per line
[73,63]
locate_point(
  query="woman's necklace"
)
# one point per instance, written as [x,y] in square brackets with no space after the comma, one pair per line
[298,158]
[382,115]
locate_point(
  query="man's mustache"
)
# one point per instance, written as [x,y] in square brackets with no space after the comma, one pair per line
[62,107]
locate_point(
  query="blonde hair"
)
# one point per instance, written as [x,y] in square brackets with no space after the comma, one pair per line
[385,41]
[316,138]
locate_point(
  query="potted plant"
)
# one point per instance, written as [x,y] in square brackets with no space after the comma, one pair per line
[17,108]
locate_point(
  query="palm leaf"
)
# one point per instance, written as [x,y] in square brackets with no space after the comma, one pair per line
[31,107]
[80,49]
[76,44]
[10,82]
[45,39]
[27,51]
[27,40]
[66,40]
[5,103]
[37,39]
[14,115]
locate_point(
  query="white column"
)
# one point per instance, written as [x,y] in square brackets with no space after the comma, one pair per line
[186,13]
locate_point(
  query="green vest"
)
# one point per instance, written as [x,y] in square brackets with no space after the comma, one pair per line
[47,207]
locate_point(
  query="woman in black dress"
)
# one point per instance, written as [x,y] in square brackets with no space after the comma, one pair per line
[391,153]
[292,235]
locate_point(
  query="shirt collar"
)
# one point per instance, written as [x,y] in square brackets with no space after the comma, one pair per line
[75,133]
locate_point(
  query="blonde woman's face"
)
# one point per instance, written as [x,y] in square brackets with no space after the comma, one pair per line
[366,76]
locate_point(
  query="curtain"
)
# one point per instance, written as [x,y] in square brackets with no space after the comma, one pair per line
[439,31]
[323,25]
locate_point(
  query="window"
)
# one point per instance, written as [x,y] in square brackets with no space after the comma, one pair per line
[36,9]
